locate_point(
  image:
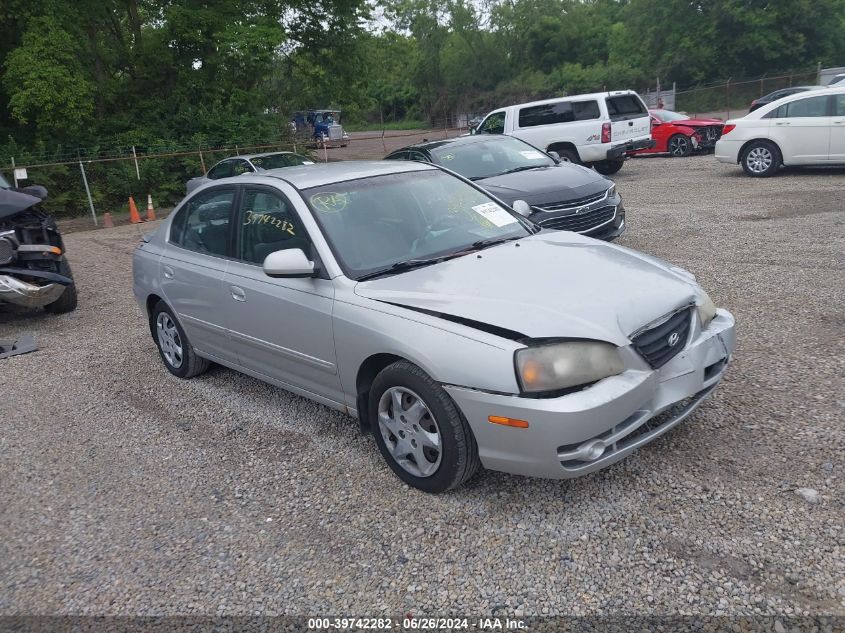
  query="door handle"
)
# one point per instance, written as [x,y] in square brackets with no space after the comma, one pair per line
[238,294]
[168,272]
[782,123]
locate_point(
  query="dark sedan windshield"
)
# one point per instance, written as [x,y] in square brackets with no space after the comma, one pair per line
[381,223]
[274,161]
[490,156]
[667,116]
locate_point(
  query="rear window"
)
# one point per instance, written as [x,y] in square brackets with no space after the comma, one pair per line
[561,112]
[625,107]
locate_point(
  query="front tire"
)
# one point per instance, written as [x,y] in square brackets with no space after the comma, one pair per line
[609,167]
[419,430]
[679,146]
[175,349]
[569,156]
[761,159]
[67,301]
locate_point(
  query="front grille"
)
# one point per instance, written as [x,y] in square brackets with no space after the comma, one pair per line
[659,344]
[567,205]
[7,251]
[580,222]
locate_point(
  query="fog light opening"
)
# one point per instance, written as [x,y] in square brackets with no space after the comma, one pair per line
[594,450]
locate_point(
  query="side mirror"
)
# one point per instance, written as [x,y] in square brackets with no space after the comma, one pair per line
[35,190]
[522,207]
[555,156]
[290,262]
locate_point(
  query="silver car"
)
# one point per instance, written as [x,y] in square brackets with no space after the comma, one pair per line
[447,323]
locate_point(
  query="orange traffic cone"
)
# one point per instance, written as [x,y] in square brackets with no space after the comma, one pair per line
[108,223]
[151,213]
[134,216]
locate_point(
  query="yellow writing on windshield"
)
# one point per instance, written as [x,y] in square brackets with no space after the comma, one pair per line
[330,202]
[266,219]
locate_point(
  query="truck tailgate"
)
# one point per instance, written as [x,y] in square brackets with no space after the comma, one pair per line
[629,129]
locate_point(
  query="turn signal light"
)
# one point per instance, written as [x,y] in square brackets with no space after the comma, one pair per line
[498,419]
[727,128]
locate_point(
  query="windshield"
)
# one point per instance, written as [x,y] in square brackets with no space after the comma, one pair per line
[274,161]
[667,115]
[488,157]
[373,224]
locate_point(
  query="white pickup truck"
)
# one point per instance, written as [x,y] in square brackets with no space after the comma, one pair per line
[596,129]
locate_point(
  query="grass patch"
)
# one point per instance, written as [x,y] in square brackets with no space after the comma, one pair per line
[388,125]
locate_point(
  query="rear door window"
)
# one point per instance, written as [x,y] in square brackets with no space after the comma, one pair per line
[202,224]
[560,112]
[625,107]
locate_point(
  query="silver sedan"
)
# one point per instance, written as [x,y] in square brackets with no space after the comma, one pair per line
[455,330]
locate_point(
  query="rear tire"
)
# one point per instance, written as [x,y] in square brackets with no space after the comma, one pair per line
[761,159]
[609,167]
[568,156]
[436,451]
[175,349]
[67,301]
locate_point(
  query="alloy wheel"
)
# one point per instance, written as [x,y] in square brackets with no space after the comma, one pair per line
[679,146]
[759,159]
[410,431]
[169,340]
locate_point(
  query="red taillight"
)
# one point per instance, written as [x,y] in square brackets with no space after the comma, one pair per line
[605,132]
[727,128]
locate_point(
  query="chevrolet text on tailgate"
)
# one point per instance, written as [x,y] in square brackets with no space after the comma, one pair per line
[596,129]
[454,329]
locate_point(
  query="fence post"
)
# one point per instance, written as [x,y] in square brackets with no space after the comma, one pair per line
[202,160]
[14,173]
[135,158]
[88,193]
[728,98]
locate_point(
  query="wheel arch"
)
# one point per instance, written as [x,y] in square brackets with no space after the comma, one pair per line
[367,373]
[554,147]
[151,302]
[754,140]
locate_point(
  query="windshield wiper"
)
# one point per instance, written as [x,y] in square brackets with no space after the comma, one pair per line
[491,241]
[398,267]
[522,168]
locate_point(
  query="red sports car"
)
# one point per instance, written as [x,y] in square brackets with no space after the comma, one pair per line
[677,134]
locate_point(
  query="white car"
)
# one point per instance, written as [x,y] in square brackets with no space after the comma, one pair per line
[596,130]
[802,129]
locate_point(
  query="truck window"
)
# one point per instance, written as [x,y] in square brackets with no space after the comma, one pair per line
[493,124]
[560,112]
[625,107]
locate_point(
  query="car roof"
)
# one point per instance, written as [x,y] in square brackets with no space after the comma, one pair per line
[307,176]
[775,104]
[591,95]
[458,140]
[261,155]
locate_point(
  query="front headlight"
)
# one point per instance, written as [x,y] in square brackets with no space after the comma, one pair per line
[706,308]
[561,365]
[612,191]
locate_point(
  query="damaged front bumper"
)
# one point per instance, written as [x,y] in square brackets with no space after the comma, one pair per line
[582,432]
[29,295]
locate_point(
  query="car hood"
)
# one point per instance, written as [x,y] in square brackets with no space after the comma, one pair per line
[555,284]
[13,202]
[698,122]
[546,184]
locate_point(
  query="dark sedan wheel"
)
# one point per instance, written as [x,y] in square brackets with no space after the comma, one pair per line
[419,430]
[173,345]
[609,167]
[761,159]
[680,145]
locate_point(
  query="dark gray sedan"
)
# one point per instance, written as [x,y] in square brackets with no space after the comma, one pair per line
[559,195]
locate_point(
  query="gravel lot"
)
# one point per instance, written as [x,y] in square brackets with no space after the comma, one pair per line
[124,490]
